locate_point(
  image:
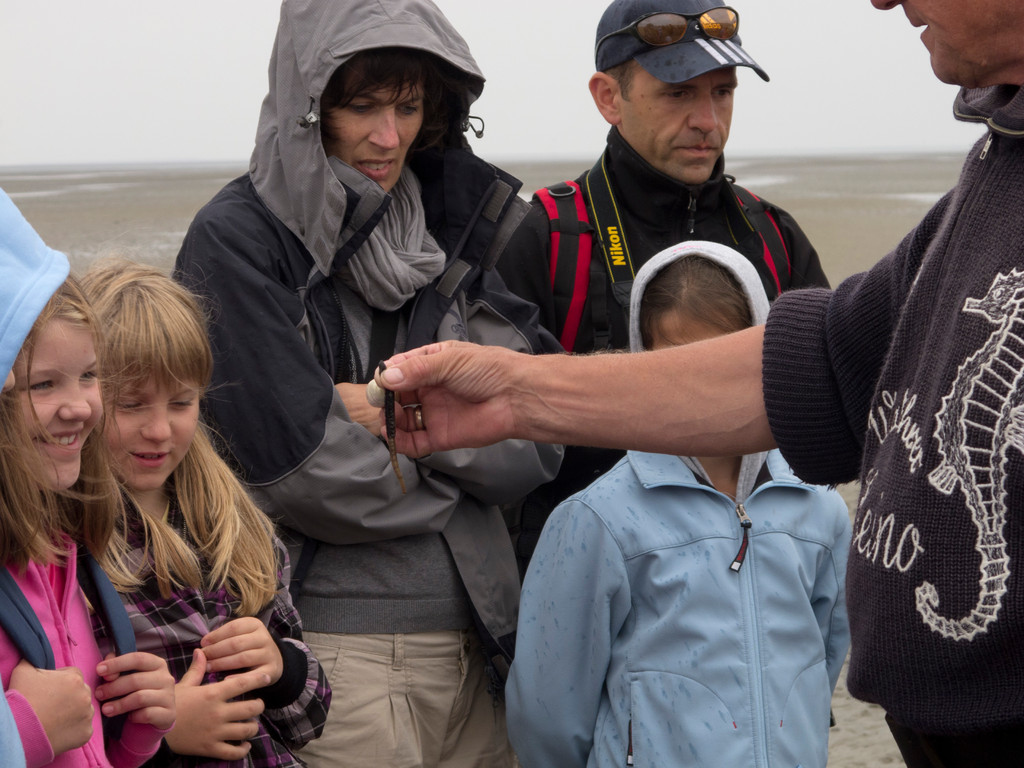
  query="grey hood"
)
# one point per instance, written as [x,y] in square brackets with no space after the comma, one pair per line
[746,275]
[289,168]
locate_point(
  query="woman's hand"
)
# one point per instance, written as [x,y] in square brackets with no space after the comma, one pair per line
[359,410]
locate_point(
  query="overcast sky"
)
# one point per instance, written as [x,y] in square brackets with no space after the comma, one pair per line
[138,81]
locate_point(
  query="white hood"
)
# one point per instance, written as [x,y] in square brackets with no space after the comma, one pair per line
[733,261]
[748,279]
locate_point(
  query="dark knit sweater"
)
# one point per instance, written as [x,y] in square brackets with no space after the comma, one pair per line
[911,377]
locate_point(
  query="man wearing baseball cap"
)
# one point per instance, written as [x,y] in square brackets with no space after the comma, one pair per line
[666,79]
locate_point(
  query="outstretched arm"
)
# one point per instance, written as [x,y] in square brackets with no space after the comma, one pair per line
[700,399]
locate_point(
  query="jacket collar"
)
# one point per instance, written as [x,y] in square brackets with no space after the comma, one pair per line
[453,182]
[649,194]
[1000,106]
[660,469]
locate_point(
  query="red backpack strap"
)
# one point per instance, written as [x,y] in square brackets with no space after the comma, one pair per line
[572,239]
[776,254]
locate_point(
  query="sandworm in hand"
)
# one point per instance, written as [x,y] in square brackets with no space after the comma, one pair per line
[389,422]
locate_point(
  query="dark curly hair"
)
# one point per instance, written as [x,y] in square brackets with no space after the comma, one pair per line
[445,90]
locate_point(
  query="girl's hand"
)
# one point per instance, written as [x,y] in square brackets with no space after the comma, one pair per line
[61,700]
[139,684]
[210,722]
[243,643]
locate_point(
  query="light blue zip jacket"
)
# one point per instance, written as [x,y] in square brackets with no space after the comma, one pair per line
[637,620]
[631,614]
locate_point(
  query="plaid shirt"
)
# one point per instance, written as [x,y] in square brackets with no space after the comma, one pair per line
[172,628]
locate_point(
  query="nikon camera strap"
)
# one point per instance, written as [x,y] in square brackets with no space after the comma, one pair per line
[576,280]
[610,231]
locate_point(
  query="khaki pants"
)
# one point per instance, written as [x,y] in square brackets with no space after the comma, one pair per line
[407,701]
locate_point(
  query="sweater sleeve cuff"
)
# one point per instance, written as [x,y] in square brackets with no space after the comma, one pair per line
[38,750]
[138,743]
[293,677]
[802,399]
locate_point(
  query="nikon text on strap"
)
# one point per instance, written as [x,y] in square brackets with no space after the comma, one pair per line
[572,240]
[576,278]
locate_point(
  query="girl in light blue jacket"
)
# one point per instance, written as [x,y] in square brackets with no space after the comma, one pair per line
[684,611]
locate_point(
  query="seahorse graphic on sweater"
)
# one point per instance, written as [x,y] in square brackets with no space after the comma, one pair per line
[980,420]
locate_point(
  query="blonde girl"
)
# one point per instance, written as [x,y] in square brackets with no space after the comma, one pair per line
[57,513]
[206,575]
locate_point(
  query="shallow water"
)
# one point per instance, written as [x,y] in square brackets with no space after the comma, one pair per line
[854,209]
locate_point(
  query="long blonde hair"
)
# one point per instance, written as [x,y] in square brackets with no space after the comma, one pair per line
[28,510]
[88,510]
[156,329]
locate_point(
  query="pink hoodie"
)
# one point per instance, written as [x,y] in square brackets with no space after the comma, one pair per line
[53,593]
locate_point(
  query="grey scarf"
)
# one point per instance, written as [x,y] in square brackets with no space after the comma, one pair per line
[400,256]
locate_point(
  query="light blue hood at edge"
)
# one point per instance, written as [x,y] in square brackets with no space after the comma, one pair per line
[30,272]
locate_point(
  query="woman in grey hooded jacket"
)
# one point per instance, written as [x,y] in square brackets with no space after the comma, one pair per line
[366,226]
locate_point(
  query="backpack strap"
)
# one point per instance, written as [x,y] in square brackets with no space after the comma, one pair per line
[107,603]
[22,625]
[575,276]
[572,241]
[760,219]
[497,215]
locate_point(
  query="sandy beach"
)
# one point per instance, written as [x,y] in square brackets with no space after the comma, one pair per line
[854,209]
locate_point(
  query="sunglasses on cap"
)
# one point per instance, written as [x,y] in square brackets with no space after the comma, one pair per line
[659,29]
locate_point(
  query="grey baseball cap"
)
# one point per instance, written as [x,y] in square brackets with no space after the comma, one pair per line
[691,57]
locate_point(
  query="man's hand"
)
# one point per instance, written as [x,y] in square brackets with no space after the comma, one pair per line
[463,390]
[140,685]
[61,700]
[700,399]
[243,644]
[211,723]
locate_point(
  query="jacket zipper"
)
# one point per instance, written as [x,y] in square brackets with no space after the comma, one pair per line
[345,353]
[988,145]
[746,524]
[691,222]
[757,702]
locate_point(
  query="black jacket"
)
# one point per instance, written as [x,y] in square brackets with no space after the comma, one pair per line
[657,212]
